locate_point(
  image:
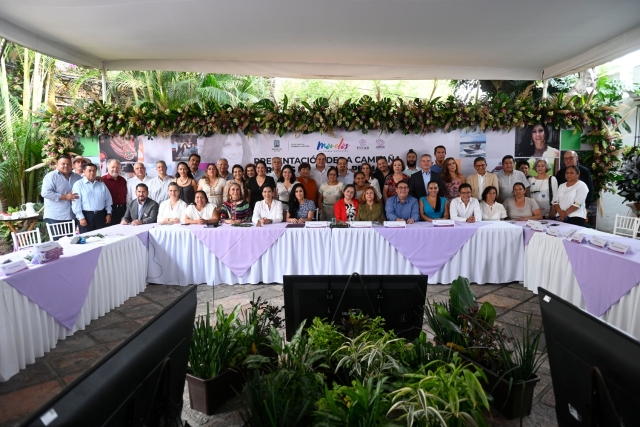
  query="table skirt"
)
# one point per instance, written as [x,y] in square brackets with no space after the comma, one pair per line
[177,257]
[494,254]
[28,332]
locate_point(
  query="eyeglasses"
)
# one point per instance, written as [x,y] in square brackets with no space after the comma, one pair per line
[465,192]
[480,166]
[569,158]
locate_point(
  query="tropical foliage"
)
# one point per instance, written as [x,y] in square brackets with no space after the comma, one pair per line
[594,116]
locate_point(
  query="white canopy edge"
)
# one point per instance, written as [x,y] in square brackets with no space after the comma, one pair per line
[305,70]
[45,46]
[607,51]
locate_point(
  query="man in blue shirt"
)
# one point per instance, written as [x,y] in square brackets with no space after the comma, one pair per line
[402,207]
[93,205]
[56,191]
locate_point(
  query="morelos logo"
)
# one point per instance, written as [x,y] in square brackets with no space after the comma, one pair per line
[379,143]
[339,146]
[363,145]
[276,143]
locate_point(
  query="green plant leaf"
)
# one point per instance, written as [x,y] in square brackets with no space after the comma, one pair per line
[487,313]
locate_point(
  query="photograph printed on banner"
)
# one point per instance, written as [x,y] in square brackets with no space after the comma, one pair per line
[537,142]
[157,149]
[473,144]
[183,146]
[126,149]
[237,148]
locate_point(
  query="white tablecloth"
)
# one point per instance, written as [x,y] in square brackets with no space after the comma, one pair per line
[177,257]
[547,266]
[494,254]
[27,331]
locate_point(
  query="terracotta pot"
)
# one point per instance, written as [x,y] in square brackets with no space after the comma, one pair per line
[208,395]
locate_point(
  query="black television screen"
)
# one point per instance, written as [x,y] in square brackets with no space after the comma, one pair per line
[140,381]
[582,347]
[398,299]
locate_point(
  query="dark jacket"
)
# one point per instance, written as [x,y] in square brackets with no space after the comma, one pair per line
[417,186]
[149,211]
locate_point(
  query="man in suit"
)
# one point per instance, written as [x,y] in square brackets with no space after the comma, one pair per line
[421,179]
[482,179]
[141,210]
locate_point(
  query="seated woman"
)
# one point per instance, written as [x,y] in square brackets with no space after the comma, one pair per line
[267,210]
[236,210]
[569,203]
[491,209]
[300,209]
[370,207]
[171,211]
[433,207]
[521,208]
[202,212]
[346,209]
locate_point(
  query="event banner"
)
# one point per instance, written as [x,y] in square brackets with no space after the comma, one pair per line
[464,146]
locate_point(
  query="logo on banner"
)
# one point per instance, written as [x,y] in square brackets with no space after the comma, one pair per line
[340,146]
[276,143]
[379,143]
[363,145]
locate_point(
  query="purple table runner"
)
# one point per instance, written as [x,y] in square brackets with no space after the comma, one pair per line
[421,249]
[54,289]
[238,248]
[600,289]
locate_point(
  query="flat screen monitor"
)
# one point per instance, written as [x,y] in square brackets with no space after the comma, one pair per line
[399,300]
[595,368]
[139,382]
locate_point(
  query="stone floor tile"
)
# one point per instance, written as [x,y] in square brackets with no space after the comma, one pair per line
[23,402]
[161,294]
[517,318]
[118,332]
[113,344]
[481,290]
[499,301]
[36,373]
[108,320]
[76,362]
[520,293]
[141,310]
[137,300]
[144,320]
[78,341]
[530,307]
[549,398]
[71,378]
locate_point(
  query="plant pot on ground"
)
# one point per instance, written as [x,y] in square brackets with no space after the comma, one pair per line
[510,363]
[215,350]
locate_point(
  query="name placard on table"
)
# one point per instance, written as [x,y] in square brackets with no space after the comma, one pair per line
[13,267]
[578,238]
[619,247]
[599,242]
[553,231]
[443,223]
[395,224]
[361,224]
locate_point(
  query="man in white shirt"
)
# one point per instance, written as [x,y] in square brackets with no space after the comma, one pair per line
[140,172]
[465,208]
[159,186]
[276,163]
[223,169]
[412,161]
[482,179]
[345,176]
[319,173]
[509,176]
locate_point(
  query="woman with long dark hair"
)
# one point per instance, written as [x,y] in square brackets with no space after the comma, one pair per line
[300,209]
[188,185]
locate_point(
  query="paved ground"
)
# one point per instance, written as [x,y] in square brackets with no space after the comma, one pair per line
[33,386]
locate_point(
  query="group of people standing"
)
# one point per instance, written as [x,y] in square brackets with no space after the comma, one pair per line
[418,190]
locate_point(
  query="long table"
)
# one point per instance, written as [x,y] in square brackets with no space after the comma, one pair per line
[597,280]
[116,273]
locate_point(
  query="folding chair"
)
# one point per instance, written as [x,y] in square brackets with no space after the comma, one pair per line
[26,239]
[626,226]
[61,229]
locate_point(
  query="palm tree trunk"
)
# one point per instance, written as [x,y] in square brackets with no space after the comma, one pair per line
[37,82]
[26,84]
[4,90]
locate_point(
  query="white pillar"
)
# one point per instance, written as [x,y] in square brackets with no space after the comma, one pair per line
[545,84]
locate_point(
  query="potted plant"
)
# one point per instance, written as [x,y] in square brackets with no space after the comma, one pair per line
[259,318]
[215,351]
[509,363]
[628,181]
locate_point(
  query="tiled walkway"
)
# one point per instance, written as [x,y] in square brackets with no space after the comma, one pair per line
[33,386]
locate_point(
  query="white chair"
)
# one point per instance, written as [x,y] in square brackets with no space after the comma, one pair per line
[26,239]
[626,226]
[61,229]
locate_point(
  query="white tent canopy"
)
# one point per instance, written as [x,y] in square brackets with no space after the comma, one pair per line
[340,39]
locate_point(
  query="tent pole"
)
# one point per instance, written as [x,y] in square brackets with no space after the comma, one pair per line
[104,84]
[545,85]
